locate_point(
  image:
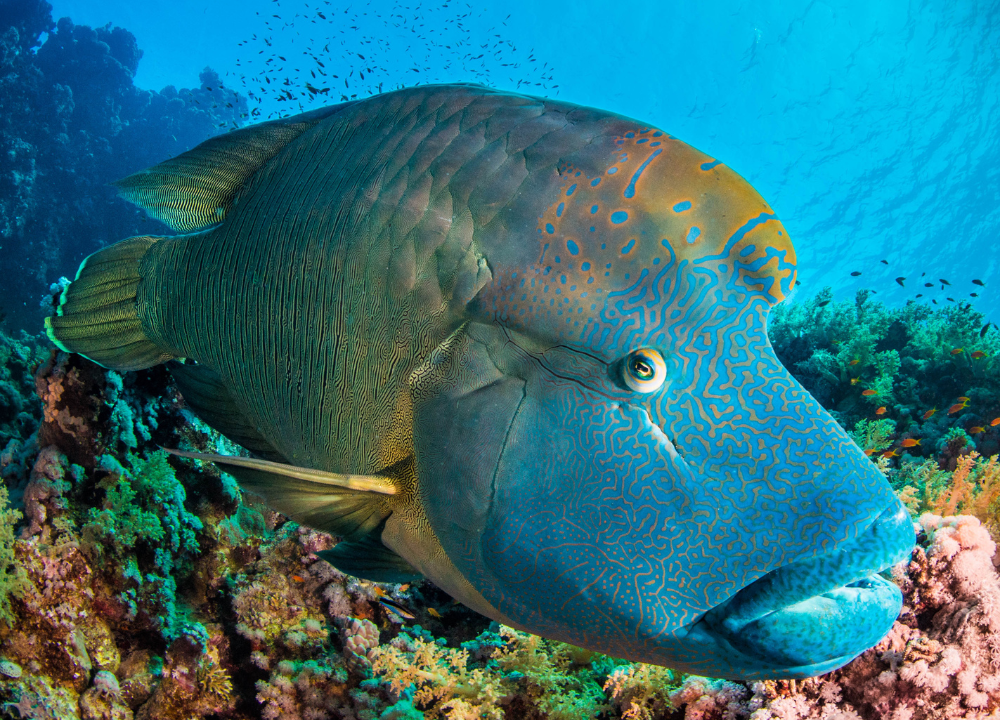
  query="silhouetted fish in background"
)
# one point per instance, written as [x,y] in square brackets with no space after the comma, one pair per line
[516,346]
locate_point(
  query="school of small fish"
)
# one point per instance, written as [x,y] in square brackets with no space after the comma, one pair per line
[336,58]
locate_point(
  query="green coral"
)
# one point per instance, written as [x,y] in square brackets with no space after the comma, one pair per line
[143,504]
[917,361]
[143,525]
[13,578]
[548,678]
[20,409]
[873,436]
[919,484]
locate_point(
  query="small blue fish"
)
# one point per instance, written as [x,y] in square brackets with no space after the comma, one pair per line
[396,609]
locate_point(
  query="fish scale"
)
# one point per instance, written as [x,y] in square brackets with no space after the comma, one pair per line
[431,300]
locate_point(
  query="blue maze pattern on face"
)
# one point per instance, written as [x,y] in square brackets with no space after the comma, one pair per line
[616,519]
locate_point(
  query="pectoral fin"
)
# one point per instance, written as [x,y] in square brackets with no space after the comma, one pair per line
[366,557]
[340,504]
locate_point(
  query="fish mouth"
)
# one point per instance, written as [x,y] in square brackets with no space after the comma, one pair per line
[812,616]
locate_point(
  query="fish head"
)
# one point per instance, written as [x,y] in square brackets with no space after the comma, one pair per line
[613,456]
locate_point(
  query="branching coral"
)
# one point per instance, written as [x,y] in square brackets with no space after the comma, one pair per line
[873,436]
[13,579]
[973,488]
[641,692]
[440,678]
[558,679]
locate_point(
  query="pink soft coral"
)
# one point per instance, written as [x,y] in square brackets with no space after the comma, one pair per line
[941,660]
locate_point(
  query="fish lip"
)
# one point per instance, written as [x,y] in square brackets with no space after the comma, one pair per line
[808,598]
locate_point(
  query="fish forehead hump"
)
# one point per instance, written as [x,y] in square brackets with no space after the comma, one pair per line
[642,216]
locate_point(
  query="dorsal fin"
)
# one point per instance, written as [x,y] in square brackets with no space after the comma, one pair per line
[206,395]
[195,190]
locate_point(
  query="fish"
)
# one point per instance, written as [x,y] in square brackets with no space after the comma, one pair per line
[855,273]
[855,361]
[979,282]
[855,380]
[976,430]
[963,398]
[884,262]
[900,280]
[822,303]
[994,422]
[929,414]
[890,453]
[364,296]
[400,611]
[957,351]
[868,392]
[881,410]
[956,407]
[910,442]
[984,330]
[978,354]
[433,612]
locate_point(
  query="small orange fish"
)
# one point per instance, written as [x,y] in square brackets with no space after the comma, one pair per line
[890,453]
[433,613]
[868,393]
[929,414]
[910,442]
[880,411]
[404,587]
[962,398]
[994,422]
[854,381]
[855,361]
[298,578]
[978,355]
[956,407]
[957,351]
[869,452]
[976,430]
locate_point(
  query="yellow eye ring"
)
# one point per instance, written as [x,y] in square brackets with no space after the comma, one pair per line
[645,370]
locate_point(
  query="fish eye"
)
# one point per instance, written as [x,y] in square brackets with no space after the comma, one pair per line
[645,370]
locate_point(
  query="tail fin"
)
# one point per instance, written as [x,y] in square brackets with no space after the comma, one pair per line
[98,317]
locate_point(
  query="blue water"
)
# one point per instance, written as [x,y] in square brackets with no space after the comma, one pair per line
[873,129]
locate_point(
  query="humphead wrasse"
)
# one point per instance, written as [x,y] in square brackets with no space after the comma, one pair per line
[518,347]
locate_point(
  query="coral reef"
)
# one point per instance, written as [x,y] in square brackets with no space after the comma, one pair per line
[71,121]
[929,376]
[136,584]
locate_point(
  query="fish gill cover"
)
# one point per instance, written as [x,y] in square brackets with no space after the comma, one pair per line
[157,589]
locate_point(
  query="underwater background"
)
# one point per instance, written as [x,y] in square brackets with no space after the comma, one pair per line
[133,585]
